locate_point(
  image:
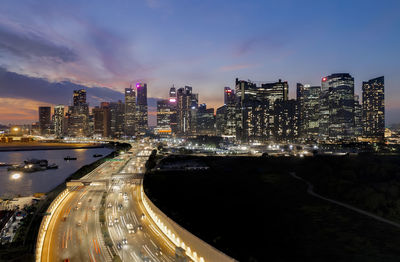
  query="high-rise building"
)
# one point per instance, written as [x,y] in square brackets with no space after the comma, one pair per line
[142,115]
[205,120]
[358,125]
[373,105]
[117,112]
[102,120]
[130,112]
[229,96]
[308,98]
[286,116]
[78,115]
[256,102]
[164,112]
[59,120]
[173,107]
[187,104]
[44,120]
[221,120]
[337,107]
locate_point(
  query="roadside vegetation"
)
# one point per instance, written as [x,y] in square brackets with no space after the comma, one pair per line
[253,210]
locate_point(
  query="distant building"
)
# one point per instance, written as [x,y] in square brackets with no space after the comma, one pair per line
[164,112]
[117,119]
[142,114]
[173,107]
[229,96]
[286,126]
[102,120]
[187,104]
[255,121]
[59,121]
[337,107]
[205,120]
[78,115]
[44,120]
[308,98]
[130,112]
[373,105]
[221,120]
[358,124]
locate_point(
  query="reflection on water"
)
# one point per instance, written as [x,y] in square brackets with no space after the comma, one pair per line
[13,183]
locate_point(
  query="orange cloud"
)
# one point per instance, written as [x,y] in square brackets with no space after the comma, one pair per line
[15,110]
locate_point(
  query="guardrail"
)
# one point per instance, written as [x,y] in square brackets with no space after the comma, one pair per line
[46,221]
[195,248]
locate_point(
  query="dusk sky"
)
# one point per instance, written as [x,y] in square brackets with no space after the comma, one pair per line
[204,44]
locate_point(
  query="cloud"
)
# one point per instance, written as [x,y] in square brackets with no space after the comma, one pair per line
[235,67]
[30,44]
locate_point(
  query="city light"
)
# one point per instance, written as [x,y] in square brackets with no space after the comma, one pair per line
[16,176]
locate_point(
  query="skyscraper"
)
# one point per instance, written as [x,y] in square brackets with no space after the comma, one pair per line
[308,98]
[130,112]
[256,102]
[187,104]
[229,96]
[358,125]
[59,120]
[102,120]
[205,120]
[337,106]
[164,113]
[173,108]
[44,120]
[78,115]
[373,105]
[142,115]
[117,112]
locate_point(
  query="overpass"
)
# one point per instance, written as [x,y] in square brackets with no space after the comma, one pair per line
[89,182]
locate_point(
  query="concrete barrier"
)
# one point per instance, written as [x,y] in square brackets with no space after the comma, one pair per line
[45,223]
[195,248]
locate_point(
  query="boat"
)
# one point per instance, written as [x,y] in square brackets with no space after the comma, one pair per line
[32,165]
[97,155]
[69,158]
[52,166]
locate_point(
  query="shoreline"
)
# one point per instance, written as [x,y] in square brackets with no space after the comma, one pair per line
[48,147]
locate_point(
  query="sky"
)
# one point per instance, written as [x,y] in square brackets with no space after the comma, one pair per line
[47,48]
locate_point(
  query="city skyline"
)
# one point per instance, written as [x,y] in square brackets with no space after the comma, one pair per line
[205,52]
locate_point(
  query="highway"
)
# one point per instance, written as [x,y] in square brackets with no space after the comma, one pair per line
[74,232]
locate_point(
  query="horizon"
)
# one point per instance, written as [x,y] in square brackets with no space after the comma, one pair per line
[110,46]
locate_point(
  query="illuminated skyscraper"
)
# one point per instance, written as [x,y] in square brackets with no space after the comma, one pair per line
[373,105]
[337,107]
[187,104]
[117,112]
[142,115]
[59,120]
[130,112]
[205,120]
[102,120]
[78,115]
[229,96]
[308,98]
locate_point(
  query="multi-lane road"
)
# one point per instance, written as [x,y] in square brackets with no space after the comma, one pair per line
[74,232]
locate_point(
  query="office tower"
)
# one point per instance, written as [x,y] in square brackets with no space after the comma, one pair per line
[256,101]
[164,112]
[130,112]
[187,104]
[358,125]
[102,120]
[142,115]
[308,98]
[373,106]
[44,120]
[229,96]
[286,116]
[78,115]
[205,120]
[221,120]
[117,112]
[59,120]
[173,108]
[337,107]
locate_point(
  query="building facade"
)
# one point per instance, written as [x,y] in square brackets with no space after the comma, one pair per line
[308,98]
[373,106]
[142,108]
[130,124]
[59,121]
[44,120]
